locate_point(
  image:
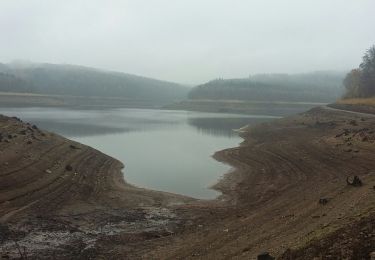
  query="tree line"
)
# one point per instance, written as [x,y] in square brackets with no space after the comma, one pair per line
[360,82]
[70,80]
[310,87]
[10,83]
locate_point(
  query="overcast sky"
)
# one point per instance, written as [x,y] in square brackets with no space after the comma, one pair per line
[189,41]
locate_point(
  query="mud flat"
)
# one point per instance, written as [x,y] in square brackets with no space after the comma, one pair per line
[269,201]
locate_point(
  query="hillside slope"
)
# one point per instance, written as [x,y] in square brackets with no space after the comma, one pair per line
[52,79]
[309,87]
[9,83]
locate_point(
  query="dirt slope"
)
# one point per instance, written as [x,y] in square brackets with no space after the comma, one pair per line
[56,193]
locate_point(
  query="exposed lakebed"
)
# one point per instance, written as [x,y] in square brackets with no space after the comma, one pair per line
[161,150]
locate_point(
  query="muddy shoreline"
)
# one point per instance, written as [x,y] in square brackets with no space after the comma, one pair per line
[269,201]
[282,170]
[57,195]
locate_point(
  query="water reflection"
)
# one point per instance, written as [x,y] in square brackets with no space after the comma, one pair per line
[223,126]
[78,129]
[80,123]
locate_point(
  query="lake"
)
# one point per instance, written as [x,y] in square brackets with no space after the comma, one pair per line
[161,149]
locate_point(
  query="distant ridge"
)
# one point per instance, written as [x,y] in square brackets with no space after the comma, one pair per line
[322,86]
[62,79]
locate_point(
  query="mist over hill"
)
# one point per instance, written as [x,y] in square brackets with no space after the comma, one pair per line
[308,87]
[52,79]
[9,83]
[70,85]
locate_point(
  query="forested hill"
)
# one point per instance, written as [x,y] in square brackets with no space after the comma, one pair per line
[9,83]
[82,81]
[309,87]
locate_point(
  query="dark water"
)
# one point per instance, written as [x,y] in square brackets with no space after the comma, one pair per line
[162,150]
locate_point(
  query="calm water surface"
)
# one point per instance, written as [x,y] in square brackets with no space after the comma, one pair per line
[162,150]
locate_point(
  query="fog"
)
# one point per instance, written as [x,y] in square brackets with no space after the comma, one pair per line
[189,41]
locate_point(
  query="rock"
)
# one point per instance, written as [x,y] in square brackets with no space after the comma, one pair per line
[4,232]
[68,167]
[246,249]
[323,201]
[265,256]
[48,171]
[356,181]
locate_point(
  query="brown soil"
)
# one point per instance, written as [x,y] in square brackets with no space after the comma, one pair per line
[56,194]
[270,201]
